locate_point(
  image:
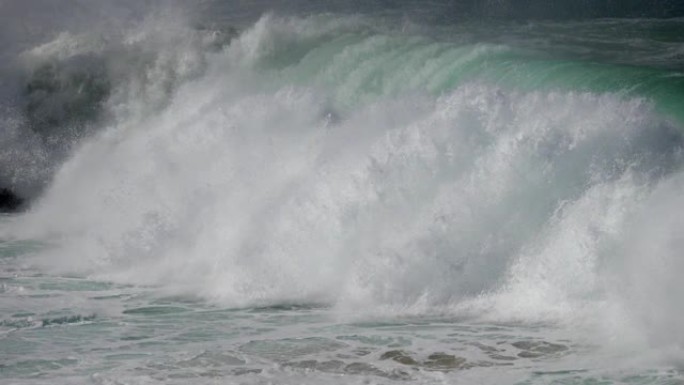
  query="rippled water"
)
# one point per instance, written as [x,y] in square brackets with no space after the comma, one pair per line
[70,330]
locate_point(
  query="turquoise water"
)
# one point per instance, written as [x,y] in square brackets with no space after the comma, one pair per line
[76,330]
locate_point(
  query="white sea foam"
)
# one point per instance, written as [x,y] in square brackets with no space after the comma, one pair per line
[259,174]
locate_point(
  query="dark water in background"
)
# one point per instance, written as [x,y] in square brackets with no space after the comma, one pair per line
[342,192]
[451,11]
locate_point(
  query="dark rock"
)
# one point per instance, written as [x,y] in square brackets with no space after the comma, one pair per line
[9,201]
[442,361]
[399,356]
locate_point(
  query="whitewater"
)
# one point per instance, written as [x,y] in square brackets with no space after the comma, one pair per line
[246,193]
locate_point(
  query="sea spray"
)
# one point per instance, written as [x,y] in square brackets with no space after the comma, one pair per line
[331,167]
[251,187]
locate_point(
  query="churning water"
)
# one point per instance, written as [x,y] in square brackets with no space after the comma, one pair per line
[232,196]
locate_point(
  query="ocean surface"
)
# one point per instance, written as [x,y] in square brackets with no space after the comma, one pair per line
[383,192]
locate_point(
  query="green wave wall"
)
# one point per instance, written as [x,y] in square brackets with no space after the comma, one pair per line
[361,67]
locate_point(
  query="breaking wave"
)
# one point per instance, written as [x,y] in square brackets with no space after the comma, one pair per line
[332,160]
